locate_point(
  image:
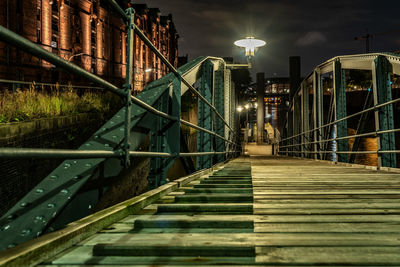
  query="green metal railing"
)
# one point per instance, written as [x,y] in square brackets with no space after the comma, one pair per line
[154,114]
[307,136]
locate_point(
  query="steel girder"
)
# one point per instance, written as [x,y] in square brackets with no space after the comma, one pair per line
[339,91]
[219,105]
[38,211]
[165,137]
[384,119]
[204,115]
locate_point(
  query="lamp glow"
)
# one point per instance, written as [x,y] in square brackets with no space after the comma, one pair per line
[250,44]
[239,109]
[247,106]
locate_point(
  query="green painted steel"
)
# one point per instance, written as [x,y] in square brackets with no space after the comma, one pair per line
[341,111]
[204,141]
[153,115]
[383,91]
[219,104]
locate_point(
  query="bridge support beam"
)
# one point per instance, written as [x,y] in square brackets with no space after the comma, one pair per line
[317,111]
[297,122]
[165,136]
[204,141]
[305,119]
[384,119]
[219,105]
[339,93]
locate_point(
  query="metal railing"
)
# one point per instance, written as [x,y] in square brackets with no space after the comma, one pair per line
[43,204]
[305,137]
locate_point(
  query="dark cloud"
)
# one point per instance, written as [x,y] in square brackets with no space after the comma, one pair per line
[311,38]
[314,30]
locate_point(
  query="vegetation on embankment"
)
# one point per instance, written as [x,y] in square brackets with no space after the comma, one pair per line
[30,104]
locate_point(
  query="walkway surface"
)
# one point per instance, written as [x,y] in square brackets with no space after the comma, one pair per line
[259,211]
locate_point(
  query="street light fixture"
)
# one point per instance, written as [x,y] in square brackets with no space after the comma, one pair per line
[250,44]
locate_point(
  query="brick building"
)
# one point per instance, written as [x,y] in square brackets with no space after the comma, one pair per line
[87,33]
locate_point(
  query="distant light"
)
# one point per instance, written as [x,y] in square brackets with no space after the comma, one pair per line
[246,106]
[250,44]
[148,70]
[369,90]
[239,109]
[256,105]
[391,82]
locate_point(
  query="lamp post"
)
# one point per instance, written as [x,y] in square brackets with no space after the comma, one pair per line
[240,109]
[250,44]
[246,136]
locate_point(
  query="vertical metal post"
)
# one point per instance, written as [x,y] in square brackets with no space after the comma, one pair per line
[219,105]
[227,107]
[260,107]
[384,119]
[305,117]
[297,122]
[128,84]
[315,112]
[339,91]
[204,141]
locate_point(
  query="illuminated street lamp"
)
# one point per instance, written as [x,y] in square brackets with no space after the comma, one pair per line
[250,44]
[239,109]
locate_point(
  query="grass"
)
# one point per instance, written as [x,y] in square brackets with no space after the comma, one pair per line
[31,104]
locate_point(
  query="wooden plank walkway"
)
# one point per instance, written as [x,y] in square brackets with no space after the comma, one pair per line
[259,211]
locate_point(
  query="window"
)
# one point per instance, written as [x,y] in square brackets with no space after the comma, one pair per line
[38,36]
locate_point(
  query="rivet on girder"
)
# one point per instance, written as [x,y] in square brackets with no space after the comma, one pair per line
[39,190]
[25,232]
[50,205]
[11,245]
[106,145]
[39,218]
[111,122]
[88,165]
[122,129]
[88,144]
[67,165]
[104,129]
[96,137]
[38,233]
[77,177]
[6,227]
[114,137]
[53,177]
[11,217]
[23,204]
[64,191]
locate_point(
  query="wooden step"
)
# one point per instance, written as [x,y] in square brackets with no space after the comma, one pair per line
[215,198]
[228,208]
[116,249]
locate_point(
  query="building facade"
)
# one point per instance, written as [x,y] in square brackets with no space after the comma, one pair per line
[88,34]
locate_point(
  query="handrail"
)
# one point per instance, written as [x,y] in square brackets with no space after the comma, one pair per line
[381,65]
[114,139]
[155,50]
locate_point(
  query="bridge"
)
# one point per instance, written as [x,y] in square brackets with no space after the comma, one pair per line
[311,205]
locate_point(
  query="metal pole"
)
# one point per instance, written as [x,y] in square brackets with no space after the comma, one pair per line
[128,85]
[260,107]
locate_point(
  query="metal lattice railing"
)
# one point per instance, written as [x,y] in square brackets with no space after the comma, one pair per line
[312,138]
[155,112]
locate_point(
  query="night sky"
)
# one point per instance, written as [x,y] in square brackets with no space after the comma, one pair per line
[314,30]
